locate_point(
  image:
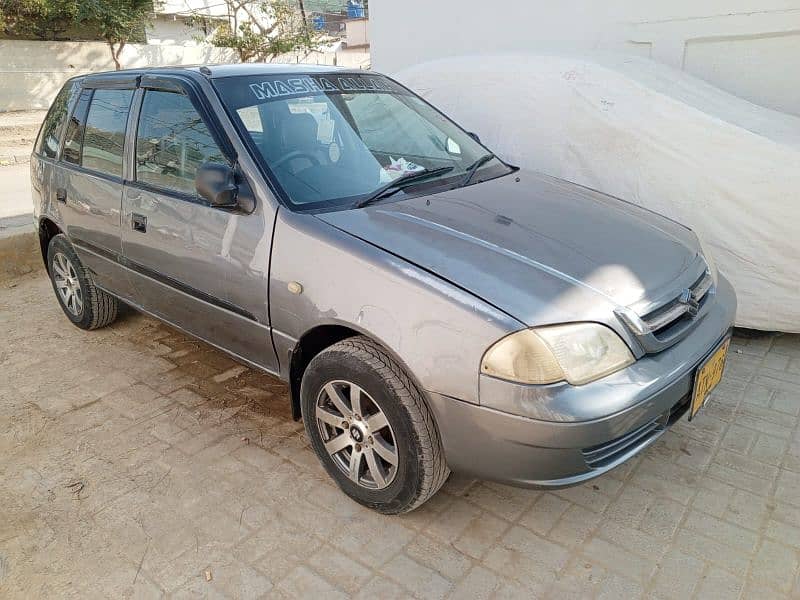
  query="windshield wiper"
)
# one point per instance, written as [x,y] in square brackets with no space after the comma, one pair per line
[399,183]
[475,166]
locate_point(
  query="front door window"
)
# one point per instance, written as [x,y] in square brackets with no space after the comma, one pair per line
[172,142]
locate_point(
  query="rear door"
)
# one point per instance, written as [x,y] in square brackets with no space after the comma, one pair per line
[88,179]
[205,269]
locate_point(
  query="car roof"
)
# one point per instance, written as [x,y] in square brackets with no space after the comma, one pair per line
[218,71]
[232,70]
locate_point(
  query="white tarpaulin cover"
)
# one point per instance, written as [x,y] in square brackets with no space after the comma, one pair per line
[654,136]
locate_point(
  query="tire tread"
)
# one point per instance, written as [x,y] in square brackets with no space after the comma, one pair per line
[102,307]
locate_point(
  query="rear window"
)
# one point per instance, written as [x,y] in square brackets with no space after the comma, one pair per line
[104,138]
[53,126]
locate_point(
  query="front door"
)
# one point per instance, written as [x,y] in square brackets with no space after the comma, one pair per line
[201,268]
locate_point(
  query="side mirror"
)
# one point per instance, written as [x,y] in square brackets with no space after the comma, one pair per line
[216,183]
[474,136]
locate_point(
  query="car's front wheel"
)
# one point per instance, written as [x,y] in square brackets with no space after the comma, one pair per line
[371,428]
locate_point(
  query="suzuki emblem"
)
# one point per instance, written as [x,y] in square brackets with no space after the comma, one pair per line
[692,305]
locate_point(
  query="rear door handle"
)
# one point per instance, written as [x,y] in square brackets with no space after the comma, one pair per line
[138,222]
[61,195]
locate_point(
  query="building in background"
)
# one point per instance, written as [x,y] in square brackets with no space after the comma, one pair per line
[356,33]
[193,22]
[750,48]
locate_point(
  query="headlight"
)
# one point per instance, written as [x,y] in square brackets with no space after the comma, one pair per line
[578,353]
[709,258]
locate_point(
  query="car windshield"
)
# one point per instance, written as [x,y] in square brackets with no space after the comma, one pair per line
[338,139]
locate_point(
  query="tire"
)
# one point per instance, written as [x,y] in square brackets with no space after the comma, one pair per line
[381,385]
[86,305]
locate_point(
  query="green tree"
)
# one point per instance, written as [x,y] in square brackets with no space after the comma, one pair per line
[263,29]
[37,19]
[117,21]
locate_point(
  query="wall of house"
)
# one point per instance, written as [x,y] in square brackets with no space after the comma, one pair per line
[174,29]
[31,73]
[748,47]
[214,8]
[357,32]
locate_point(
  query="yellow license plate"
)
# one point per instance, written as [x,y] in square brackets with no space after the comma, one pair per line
[708,376]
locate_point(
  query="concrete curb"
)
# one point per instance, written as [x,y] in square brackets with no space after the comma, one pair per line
[19,247]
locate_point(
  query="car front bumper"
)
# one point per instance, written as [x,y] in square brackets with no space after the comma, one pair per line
[562,435]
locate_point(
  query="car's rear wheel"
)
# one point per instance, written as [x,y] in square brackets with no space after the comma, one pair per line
[86,305]
[371,428]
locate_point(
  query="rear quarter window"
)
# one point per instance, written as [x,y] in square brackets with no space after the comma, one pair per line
[73,138]
[53,126]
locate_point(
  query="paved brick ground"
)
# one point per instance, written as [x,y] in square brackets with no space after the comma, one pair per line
[134,461]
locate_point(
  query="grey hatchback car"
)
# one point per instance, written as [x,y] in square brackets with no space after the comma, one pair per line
[430,306]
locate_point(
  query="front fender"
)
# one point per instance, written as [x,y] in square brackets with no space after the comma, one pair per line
[438,331]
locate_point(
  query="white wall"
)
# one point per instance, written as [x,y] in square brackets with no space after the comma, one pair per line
[357,32]
[173,29]
[31,73]
[748,47]
[215,8]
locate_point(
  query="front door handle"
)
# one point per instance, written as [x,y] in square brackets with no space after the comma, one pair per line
[138,222]
[61,195]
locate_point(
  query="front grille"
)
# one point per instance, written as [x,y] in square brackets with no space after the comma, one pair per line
[677,313]
[671,318]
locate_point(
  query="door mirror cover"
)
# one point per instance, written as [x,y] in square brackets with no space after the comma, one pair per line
[216,183]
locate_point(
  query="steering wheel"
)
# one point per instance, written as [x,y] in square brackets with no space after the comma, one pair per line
[296,154]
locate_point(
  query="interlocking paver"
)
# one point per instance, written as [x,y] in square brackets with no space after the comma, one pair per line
[545,513]
[720,584]
[417,578]
[575,526]
[480,535]
[479,584]
[678,575]
[135,460]
[439,556]
[775,566]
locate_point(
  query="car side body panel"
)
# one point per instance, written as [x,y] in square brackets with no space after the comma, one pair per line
[437,330]
[91,215]
[202,269]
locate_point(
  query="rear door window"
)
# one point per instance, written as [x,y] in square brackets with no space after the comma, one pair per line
[172,141]
[53,126]
[104,139]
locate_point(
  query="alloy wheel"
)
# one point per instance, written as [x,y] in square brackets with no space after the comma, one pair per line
[67,284]
[356,434]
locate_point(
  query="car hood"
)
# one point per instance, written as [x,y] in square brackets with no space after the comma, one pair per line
[541,249]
